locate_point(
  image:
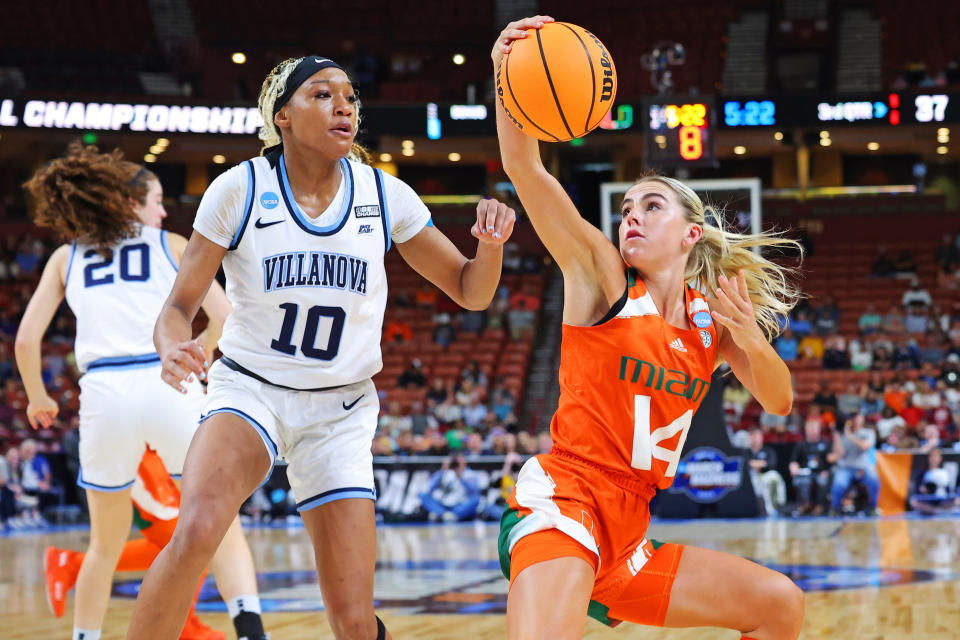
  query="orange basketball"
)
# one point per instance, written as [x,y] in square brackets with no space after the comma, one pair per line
[557,83]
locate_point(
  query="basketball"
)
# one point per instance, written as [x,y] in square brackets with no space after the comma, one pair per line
[557,83]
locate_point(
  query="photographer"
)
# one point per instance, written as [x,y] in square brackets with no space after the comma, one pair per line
[453,493]
[507,479]
[810,470]
[934,490]
[853,452]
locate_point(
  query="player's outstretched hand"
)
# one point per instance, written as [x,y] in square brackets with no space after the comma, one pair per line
[494,222]
[736,311]
[42,412]
[515,31]
[182,362]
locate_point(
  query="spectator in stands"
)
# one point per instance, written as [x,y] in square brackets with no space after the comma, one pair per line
[893,323]
[419,419]
[412,376]
[853,454]
[10,490]
[801,324]
[931,438]
[521,318]
[811,347]
[453,493]
[475,447]
[850,401]
[810,470]
[861,354]
[906,355]
[942,418]
[948,276]
[398,331]
[883,266]
[502,401]
[895,396]
[787,346]
[925,396]
[444,334]
[916,297]
[835,352]
[426,297]
[932,352]
[826,398]
[905,264]
[872,404]
[393,421]
[935,492]
[475,373]
[474,415]
[437,393]
[767,482]
[448,411]
[881,360]
[472,321]
[735,397]
[870,320]
[827,317]
[498,309]
[467,392]
[888,421]
[29,257]
[35,479]
[918,321]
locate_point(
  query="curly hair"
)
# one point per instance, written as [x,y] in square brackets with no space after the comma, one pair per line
[86,196]
[273,86]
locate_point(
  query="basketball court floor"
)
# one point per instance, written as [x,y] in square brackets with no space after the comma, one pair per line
[872,579]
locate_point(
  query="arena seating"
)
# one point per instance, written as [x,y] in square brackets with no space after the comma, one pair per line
[928,36]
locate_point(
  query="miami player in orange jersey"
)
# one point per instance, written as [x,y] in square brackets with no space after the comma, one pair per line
[639,345]
[156,504]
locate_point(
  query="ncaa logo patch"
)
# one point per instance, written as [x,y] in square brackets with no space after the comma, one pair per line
[367,211]
[269,200]
[706,337]
[702,319]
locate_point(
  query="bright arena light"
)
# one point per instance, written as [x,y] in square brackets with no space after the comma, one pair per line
[942,150]
[219,159]
[778,136]
[408,151]
[163,142]
[453,157]
[385,157]
[873,146]
[825,142]
[458,59]
[739,149]
[157,149]
[238,57]
[149,158]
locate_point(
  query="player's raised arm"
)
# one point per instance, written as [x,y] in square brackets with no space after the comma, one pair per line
[574,243]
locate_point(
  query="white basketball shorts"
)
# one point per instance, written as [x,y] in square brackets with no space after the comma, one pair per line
[325,436]
[124,409]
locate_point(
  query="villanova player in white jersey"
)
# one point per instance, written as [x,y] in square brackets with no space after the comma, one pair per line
[301,233]
[115,274]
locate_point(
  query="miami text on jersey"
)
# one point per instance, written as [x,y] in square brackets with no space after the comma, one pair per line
[315,269]
[678,384]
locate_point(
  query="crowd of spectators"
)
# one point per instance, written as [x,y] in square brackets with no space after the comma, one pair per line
[898,390]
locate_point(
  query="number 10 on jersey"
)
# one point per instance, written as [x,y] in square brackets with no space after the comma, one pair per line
[308,344]
[646,442]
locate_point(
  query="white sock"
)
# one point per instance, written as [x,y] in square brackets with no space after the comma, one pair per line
[239,604]
[86,634]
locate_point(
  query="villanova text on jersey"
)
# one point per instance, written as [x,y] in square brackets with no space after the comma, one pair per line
[315,269]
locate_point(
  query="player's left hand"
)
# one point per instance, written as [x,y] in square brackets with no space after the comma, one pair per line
[737,317]
[494,223]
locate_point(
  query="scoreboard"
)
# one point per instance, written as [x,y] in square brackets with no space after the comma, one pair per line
[679,131]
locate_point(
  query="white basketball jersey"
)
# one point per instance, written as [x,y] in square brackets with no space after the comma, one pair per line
[117,300]
[308,300]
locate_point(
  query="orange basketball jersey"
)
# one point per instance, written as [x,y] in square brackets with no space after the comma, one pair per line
[630,385]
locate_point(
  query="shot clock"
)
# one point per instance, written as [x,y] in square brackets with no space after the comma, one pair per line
[678,131]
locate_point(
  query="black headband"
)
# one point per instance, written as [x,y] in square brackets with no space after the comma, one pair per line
[304,69]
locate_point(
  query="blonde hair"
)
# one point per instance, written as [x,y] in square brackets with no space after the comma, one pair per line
[721,251]
[273,86]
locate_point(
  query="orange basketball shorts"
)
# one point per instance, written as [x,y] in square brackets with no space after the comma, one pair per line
[564,506]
